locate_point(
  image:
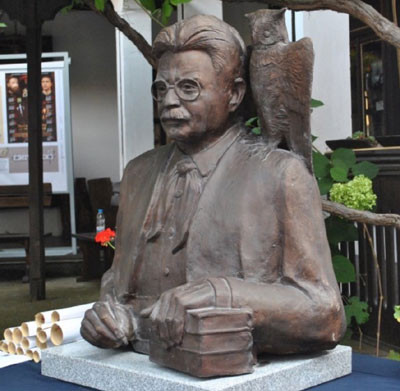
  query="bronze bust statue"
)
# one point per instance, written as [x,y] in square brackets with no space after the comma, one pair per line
[221,251]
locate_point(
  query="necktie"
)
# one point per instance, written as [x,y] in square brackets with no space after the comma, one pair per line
[177,201]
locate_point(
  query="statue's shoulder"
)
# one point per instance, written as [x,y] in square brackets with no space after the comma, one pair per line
[149,160]
[258,153]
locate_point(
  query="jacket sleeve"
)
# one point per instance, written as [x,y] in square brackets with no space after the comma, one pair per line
[107,290]
[301,311]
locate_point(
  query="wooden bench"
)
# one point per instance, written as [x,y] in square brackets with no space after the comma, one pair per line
[17,196]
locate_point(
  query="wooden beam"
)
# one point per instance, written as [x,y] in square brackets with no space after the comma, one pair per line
[36,220]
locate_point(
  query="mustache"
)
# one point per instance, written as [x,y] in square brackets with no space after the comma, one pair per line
[174,114]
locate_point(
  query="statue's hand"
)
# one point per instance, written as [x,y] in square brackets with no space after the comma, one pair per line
[168,313]
[108,325]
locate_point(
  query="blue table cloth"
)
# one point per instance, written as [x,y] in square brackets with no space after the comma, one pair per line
[369,374]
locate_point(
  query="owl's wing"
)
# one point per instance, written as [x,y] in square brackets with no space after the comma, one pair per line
[298,64]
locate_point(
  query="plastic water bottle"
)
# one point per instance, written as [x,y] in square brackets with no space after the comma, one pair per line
[100,221]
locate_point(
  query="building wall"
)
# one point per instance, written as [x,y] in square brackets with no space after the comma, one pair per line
[330,33]
[90,41]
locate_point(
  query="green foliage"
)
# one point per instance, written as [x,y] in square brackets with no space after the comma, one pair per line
[316,103]
[150,5]
[321,165]
[334,176]
[325,185]
[339,168]
[162,14]
[100,4]
[339,230]
[393,355]
[361,136]
[339,173]
[368,169]
[344,269]
[357,310]
[166,11]
[254,124]
[397,312]
[356,194]
[343,156]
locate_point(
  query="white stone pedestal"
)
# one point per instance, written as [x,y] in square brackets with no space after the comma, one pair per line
[111,370]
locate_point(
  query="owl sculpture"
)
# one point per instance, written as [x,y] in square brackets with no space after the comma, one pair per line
[281,78]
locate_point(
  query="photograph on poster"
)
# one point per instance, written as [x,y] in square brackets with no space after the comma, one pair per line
[14,156]
[17,107]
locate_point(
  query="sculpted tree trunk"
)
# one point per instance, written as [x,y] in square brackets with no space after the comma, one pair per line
[384,28]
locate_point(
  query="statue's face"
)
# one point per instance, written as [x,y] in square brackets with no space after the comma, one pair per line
[196,110]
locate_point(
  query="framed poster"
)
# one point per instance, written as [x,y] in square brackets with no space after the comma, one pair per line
[56,130]
[14,125]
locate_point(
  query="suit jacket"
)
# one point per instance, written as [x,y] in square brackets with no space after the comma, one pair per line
[258,224]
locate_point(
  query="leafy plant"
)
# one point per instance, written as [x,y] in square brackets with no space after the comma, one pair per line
[349,183]
[393,355]
[356,194]
[396,314]
[159,11]
[341,167]
[362,136]
[254,124]
[160,14]
[315,103]
[357,310]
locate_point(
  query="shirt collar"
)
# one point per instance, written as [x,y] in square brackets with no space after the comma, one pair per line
[207,159]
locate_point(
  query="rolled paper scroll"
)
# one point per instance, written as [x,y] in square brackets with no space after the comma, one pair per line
[70,313]
[66,331]
[43,317]
[4,347]
[37,356]
[29,328]
[30,352]
[12,348]
[43,335]
[41,345]
[28,342]
[3,350]
[17,335]
[8,333]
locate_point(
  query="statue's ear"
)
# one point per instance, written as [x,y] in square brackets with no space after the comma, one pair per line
[282,11]
[238,91]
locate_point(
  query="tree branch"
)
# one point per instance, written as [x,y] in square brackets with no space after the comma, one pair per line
[121,24]
[383,27]
[360,216]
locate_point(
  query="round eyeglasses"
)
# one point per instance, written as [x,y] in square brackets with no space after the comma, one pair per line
[185,89]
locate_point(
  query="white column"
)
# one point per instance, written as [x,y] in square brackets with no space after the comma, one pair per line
[330,34]
[208,7]
[135,105]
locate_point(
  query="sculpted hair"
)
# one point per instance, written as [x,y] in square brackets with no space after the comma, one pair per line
[209,34]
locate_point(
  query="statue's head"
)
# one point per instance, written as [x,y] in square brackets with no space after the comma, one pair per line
[268,26]
[199,83]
